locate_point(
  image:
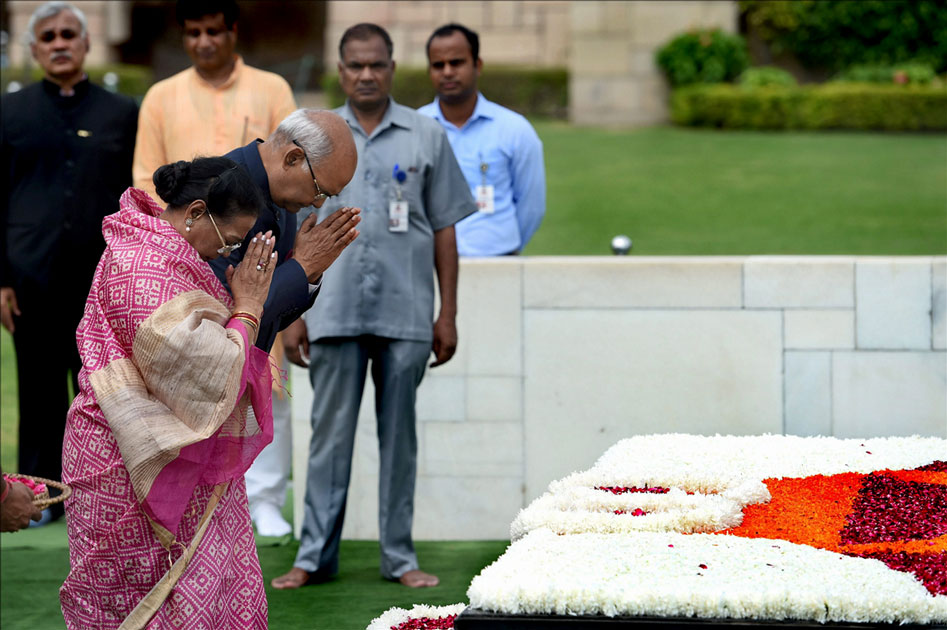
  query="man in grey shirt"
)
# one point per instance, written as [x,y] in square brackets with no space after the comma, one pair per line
[376,307]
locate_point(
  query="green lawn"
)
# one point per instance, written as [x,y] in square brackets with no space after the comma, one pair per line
[690,192]
[8,398]
[33,564]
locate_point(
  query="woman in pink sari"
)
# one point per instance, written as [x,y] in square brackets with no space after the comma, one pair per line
[173,405]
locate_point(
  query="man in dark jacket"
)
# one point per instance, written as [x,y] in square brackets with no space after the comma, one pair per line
[67,150]
[307,144]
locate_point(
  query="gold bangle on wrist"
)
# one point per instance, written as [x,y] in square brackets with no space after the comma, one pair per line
[247,321]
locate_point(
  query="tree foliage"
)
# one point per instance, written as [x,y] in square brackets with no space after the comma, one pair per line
[835,34]
[702,56]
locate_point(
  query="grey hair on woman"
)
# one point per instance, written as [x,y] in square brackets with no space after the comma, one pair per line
[51,9]
[302,127]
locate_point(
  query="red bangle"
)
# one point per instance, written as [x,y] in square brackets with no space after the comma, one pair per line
[245,315]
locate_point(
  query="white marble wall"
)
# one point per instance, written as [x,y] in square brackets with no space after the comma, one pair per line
[559,358]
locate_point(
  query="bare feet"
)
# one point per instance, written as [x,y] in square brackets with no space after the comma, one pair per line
[417,579]
[294,579]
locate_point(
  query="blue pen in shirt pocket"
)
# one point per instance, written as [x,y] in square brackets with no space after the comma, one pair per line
[398,206]
[400,177]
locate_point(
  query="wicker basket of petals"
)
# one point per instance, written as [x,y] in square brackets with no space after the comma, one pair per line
[40,488]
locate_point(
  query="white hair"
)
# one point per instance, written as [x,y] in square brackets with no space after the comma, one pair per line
[301,127]
[51,9]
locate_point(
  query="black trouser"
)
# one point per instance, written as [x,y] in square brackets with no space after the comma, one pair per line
[46,359]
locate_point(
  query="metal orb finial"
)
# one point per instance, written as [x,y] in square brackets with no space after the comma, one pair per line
[111,81]
[621,245]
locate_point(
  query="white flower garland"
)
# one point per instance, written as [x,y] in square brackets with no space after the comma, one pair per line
[578,509]
[396,616]
[725,472]
[699,575]
[663,513]
[716,463]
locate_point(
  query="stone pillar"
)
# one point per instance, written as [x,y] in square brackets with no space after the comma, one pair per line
[614,78]
[109,24]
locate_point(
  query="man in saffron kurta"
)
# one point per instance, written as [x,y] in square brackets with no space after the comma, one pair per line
[215,105]
[173,405]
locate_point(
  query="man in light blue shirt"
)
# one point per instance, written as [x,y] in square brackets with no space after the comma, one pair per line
[497,149]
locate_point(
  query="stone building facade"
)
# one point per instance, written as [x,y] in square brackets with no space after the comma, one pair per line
[613,76]
[529,33]
[607,46]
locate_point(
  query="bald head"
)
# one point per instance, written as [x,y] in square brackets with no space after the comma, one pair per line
[308,138]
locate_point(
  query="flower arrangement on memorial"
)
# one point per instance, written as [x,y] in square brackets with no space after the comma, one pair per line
[766,527]
[420,617]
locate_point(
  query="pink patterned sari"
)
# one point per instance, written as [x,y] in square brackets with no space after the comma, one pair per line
[173,406]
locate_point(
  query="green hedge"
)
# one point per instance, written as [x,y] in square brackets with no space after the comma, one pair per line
[529,91]
[879,73]
[761,76]
[132,80]
[826,106]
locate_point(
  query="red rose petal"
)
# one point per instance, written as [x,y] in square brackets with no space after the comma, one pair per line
[626,489]
[889,509]
[427,623]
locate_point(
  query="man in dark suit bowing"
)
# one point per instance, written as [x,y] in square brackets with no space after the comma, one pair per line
[310,157]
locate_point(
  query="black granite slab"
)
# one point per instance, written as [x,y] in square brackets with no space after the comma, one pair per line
[474,619]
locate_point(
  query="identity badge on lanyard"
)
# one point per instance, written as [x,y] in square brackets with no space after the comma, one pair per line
[398,207]
[484,192]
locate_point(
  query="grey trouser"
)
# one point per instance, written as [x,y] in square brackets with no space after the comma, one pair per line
[337,370]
